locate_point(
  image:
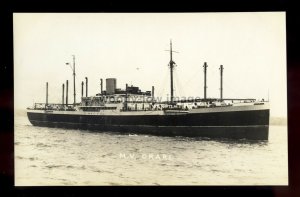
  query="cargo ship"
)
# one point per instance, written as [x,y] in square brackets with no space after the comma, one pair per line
[133,111]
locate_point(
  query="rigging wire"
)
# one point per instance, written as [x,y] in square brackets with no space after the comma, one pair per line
[196,72]
[162,87]
[231,90]
[180,91]
[176,87]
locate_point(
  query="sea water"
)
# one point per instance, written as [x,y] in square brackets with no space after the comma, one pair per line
[54,156]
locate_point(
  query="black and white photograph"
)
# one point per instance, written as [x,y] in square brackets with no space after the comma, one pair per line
[131,99]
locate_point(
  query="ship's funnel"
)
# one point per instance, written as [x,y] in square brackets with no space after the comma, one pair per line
[111,85]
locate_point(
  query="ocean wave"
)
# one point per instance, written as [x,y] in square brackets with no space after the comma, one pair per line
[42,145]
[53,166]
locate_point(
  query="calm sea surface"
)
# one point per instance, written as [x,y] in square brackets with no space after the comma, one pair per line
[51,156]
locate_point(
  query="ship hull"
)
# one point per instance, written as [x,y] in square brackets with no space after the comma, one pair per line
[252,124]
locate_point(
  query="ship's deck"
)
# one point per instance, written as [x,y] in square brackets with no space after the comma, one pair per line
[160,112]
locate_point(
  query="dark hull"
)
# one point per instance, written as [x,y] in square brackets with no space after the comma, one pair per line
[236,125]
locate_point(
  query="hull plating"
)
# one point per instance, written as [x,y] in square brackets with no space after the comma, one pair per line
[235,124]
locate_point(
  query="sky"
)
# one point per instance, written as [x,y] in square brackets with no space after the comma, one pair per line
[132,48]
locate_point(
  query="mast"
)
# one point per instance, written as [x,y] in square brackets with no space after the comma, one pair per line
[152,93]
[171,72]
[63,94]
[221,82]
[205,87]
[143,101]
[74,80]
[67,92]
[101,86]
[86,87]
[82,84]
[46,95]
[171,65]
[126,95]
